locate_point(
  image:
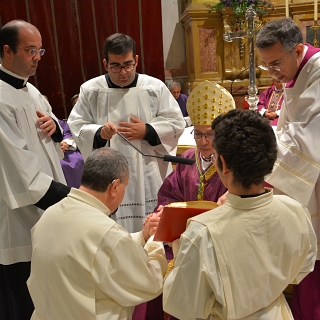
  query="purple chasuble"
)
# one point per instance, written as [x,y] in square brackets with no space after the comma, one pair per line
[182,184]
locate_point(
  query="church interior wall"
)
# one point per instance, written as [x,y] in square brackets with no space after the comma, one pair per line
[74,33]
[177,40]
[174,44]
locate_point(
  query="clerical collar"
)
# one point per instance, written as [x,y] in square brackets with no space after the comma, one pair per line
[12,79]
[308,52]
[131,85]
[254,195]
[206,159]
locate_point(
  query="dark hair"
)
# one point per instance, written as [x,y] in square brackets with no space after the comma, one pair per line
[248,144]
[102,167]
[119,44]
[76,96]
[284,30]
[9,35]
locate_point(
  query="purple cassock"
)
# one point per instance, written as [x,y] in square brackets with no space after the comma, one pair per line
[180,186]
[182,101]
[72,163]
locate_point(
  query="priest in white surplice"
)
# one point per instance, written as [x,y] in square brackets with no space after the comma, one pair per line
[31,178]
[139,107]
[297,169]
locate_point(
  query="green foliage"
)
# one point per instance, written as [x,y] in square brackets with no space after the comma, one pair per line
[240,6]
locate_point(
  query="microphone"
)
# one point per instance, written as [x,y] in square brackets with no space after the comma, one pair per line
[165,157]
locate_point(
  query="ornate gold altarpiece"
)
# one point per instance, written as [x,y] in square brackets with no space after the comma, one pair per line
[209,57]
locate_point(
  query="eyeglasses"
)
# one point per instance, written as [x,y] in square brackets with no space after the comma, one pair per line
[199,135]
[127,68]
[33,51]
[277,66]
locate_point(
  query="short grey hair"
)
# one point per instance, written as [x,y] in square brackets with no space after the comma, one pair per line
[102,167]
[174,85]
[284,30]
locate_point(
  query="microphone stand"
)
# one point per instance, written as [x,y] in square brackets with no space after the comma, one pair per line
[165,157]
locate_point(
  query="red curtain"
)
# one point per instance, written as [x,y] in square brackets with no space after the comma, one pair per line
[73,34]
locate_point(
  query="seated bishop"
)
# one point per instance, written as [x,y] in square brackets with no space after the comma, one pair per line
[199,181]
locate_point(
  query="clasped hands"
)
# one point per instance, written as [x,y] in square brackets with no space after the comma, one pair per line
[131,130]
[270,115]
[151,223]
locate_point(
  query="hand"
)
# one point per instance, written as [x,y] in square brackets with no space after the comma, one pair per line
[270,115]
[158,212]
[108,130]
[46,124]
[222,199]
[160,209]
[132,131]
[150,225]
[64,146]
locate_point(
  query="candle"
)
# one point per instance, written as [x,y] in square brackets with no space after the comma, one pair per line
[287,8]
[315,10]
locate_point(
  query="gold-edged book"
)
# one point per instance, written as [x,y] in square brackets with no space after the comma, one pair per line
[174,218]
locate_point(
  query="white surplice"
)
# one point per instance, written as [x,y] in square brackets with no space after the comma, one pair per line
[151,102]
[28,163]
[296,171]
[235,261]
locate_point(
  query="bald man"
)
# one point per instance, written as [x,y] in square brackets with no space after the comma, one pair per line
[31,178]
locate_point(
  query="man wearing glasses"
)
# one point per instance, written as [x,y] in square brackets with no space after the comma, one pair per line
[31,177]
[296,171]
[139,107]
[199,181]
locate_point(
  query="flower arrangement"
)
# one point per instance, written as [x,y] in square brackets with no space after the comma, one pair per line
[239,7]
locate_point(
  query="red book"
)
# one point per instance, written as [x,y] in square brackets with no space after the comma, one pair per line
[174,218]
